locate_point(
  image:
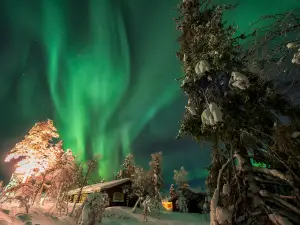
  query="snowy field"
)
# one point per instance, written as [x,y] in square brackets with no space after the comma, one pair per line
[112,216]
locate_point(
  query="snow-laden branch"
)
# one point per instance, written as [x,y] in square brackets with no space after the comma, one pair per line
[212,115]
[239,80]
[274,173]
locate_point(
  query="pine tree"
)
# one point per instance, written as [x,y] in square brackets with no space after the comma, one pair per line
[139,185]
[155,174]
[236,104]
[127,168]
[180,177]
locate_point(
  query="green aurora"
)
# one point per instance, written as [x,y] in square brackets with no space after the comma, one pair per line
[110,71]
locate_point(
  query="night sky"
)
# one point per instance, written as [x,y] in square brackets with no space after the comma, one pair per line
[104,71]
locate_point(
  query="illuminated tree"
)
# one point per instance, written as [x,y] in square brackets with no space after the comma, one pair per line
[43,165]
[37,152]
[59,178]
[238,93]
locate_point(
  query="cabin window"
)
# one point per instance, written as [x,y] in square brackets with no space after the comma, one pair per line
[83,197]
[75,199]
[118,197]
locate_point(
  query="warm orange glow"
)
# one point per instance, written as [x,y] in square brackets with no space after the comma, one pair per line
[167,205]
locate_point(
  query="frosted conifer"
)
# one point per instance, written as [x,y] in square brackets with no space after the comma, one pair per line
[253,86]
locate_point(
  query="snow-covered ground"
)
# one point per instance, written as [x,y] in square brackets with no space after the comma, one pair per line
[113,216]
[37,216]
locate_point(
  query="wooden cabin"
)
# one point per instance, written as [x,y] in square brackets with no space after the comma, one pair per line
[114,189]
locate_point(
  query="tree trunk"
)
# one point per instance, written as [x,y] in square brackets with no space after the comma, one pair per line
[80,191]
[44,198]
[58,195]
[67,210]
[136,204]
[215,198]
[250,197]
[39,191]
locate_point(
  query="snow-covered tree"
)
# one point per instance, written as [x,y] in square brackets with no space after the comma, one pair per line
[237,95]
[42,165]
[139,185]
[93,209]
[61,177]
[155,174]
[127,168]
[37,152]
[182,203]
[180,177]
[181,180]
[146,207]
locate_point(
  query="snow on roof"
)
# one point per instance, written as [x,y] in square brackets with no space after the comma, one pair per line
[99,186]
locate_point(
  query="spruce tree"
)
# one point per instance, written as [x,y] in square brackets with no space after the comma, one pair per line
[127,168]
[237,104]
[155,176]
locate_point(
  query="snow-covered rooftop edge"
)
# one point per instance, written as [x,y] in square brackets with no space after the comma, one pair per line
[99,186]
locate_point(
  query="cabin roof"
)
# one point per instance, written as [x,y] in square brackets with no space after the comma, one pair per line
[99,186]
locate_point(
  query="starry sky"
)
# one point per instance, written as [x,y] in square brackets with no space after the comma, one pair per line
[104,71]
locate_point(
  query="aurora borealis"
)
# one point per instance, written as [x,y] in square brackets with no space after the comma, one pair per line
[104,71]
